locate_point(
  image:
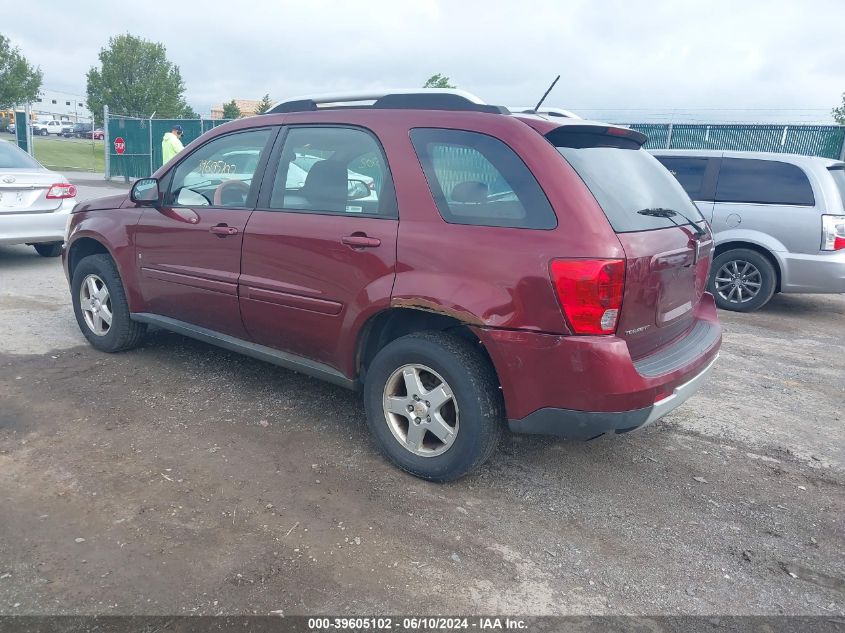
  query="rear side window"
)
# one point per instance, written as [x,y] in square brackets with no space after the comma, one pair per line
[477,179]
[688,171]
[763,182]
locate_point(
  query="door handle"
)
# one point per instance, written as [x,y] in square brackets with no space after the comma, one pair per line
[224,230]
[360,240]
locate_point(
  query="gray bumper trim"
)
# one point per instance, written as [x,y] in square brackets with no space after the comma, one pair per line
[586,425]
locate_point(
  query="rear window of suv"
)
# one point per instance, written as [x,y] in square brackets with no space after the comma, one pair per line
[624,179]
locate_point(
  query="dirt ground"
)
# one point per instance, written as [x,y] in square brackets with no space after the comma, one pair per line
[182,479]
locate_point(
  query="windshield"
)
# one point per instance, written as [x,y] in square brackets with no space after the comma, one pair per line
[625,181]
[13,158]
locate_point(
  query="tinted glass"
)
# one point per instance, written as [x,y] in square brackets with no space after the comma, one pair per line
[688,171]
[333,170]
[477,179]
[763,182]
[220,173]
[11,157]
[625,181]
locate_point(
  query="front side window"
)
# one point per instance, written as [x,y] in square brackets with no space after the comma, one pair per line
[330,169]
[688,171]
[763,182]
[477,179]
[220,173]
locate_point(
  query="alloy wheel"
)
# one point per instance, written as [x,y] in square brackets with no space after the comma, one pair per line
[738,281]
[95,302]
[421,410]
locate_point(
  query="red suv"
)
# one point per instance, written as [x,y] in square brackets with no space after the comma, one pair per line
[462,266]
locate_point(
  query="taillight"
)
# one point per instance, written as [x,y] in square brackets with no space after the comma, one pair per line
[590,292]
[61,190]
[833,232]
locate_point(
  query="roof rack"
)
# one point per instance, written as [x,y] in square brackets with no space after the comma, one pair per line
[400,99]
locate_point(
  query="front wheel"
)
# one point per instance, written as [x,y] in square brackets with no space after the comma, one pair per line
[100,306]
[48,249]
[433,405]
[742,280]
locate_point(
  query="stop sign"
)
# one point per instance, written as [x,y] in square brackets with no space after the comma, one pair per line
[119,145]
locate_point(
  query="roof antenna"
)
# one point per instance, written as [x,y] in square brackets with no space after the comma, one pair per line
[546,94]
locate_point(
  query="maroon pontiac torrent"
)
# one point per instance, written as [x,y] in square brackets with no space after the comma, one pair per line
[464,267]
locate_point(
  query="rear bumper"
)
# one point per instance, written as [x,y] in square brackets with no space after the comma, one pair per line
[586,425]
[31,228]
[583,386]
[822,272]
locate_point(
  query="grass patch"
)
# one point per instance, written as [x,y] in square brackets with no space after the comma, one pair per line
[69,153]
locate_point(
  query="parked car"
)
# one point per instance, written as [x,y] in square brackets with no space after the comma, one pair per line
[80,130]
[511,269]
[97,134]
[35,202]
[778,221]
[44,128]
[12,128]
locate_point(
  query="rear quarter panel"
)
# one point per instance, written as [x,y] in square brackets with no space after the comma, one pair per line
[490,276]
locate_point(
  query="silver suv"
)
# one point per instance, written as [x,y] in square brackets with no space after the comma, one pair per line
[778,221]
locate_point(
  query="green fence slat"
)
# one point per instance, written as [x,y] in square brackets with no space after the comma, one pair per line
[21,125]
[810,140]
[142,138]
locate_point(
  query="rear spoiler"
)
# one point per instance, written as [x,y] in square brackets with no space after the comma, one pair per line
[584,136]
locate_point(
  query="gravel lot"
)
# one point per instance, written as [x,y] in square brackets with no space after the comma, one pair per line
[182,479]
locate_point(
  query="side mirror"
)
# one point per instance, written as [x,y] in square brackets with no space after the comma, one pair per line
[357,189]
[145,192]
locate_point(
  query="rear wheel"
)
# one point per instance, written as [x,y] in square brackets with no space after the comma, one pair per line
[742,280]
[48,249]
[45,132]
[100,306]
[433,405]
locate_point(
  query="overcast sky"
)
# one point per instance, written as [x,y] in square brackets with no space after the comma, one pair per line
[722,60]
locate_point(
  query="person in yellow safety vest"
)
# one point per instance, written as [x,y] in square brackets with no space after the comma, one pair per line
[171,144]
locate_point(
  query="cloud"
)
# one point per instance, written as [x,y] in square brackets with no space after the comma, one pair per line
[661,55]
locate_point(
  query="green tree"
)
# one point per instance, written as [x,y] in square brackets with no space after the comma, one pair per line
[231,110]
[438,81]
[264,105]
[839,113]
[189,113]
[136,78]
[19,80]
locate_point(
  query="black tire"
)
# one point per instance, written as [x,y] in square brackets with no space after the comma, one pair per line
[45,132]
[765,276]
[48,249]
[475,389]
[123,334]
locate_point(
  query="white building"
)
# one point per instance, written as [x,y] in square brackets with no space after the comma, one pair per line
[64,106]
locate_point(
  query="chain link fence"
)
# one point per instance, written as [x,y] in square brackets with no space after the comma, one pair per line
[133,144]
[827,141]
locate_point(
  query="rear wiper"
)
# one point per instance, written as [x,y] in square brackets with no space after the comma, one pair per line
[669,214]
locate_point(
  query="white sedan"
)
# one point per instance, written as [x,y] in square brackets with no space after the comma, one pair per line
[35,203]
